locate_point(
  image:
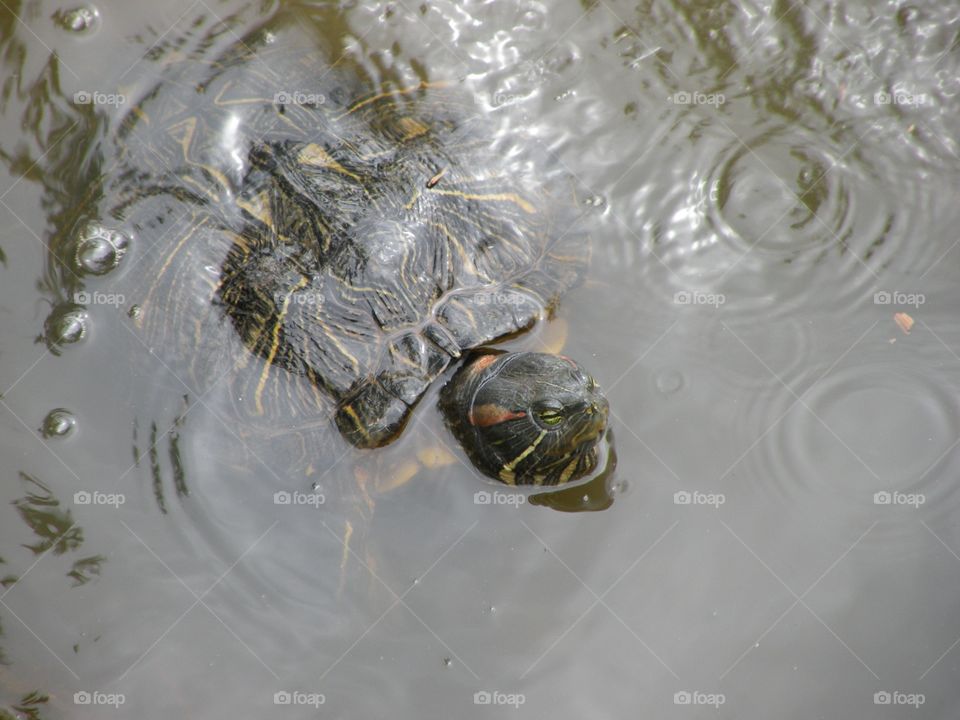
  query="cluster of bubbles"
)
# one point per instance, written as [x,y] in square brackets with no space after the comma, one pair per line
[97,250]
[81,19]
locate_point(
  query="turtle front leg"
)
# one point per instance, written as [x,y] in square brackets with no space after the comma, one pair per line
[482,315]
[371,417]
[374,412]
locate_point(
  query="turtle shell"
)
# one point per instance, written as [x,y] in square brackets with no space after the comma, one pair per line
[328,245]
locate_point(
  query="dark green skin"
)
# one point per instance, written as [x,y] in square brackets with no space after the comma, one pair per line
[526,418]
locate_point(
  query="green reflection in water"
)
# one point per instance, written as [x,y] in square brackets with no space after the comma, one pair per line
[55,529]
[27,708]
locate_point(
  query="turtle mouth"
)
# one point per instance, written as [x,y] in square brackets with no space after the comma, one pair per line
[594,419]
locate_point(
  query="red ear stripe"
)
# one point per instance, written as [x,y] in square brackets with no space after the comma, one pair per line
[490,414]
[482,362]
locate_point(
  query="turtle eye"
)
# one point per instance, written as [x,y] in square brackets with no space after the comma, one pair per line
[551,417]
[550,414]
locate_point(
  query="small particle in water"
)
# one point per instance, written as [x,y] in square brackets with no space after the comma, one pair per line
[99,249]
[134,312]
[907,15]
[78,20]
[490,610]
[58,423]
[432,182]
[903,321]
[669,381]
[65,325]
[315,486]
[595,201]
[619,487]
[447,662]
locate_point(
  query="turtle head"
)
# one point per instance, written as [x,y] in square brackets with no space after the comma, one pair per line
[526,418]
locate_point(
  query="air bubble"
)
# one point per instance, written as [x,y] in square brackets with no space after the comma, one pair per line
[99,249]
[79,20]
[66,325]
[669,381]
[58,423]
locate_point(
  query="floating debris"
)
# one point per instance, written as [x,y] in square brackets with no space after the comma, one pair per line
[903,321]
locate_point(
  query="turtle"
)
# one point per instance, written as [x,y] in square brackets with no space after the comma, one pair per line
[336,245]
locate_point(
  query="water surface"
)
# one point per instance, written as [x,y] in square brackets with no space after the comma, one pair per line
[771,196]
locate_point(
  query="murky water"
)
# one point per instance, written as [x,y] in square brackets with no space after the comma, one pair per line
[771,194]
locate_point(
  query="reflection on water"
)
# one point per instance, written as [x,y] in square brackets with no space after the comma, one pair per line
[55,533]
[768,184]
[56,530]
